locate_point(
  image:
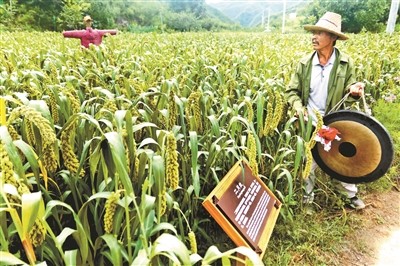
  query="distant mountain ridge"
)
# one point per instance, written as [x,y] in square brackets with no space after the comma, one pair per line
[251,13]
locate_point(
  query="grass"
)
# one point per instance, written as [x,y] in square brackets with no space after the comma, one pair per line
[389,115]
[308,239]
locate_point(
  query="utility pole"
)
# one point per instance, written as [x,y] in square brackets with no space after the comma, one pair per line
[266,28]
[283,16]
[162,25]
[392,16]
[263,18]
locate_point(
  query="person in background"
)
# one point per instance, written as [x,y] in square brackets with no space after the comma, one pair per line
[89,35]
[321,80]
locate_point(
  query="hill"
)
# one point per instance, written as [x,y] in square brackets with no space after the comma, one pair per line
[252,13]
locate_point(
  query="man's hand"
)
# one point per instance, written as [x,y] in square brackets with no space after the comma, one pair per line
[357,89]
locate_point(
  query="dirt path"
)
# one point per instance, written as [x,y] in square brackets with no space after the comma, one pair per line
[376,240]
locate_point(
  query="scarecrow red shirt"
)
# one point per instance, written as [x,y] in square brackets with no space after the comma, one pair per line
[89,35]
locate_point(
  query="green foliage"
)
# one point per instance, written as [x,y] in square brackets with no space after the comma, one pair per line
[174,15]
[7,13]
[387,111]
[371,15]
[373,21]
[134,16]
[71,15]
[28,15]
[182,22]
[308,239]
[103,14]
[197,7]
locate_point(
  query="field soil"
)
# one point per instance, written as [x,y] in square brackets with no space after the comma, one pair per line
[376,240]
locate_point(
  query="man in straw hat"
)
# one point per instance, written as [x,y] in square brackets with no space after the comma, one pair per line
[89,35]
[321,80]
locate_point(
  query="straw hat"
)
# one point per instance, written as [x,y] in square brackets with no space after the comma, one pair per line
[87,18]
[330,22]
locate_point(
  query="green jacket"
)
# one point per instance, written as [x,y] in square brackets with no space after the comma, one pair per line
[340,79]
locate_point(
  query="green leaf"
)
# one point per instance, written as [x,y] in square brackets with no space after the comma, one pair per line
[119,118]
[249,254]
[161,227]
[16,221]
[30,208]
[79,235]
[141,259]
[66,232]
[30,155]
[142,125]
[83,214]
[299,155]
[226,261]
[115,249]
[106,92]
[149,223]
[94,160]
[212,254]
[195,168]
[288,180]
[12,151]
[195,258]
[7,258]
[260,111]
[146,142]
[215,129]
[172,245]
[158,171]
[71,257]
[119,158]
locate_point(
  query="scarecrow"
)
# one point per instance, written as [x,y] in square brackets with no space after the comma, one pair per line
[90,35]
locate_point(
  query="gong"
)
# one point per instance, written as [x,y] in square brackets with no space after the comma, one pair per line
[364,152]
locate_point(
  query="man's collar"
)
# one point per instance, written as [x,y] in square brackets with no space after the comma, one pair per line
[331,61]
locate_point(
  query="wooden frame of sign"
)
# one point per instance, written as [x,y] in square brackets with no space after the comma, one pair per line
[244,207]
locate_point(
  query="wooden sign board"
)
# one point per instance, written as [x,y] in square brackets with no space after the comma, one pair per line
[244,207]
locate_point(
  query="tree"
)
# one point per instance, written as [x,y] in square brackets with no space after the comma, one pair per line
[197,7]
[39,14]
[356,15]
[182,21]
[7,13]
[371,17]
[72,13]
[104,13]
